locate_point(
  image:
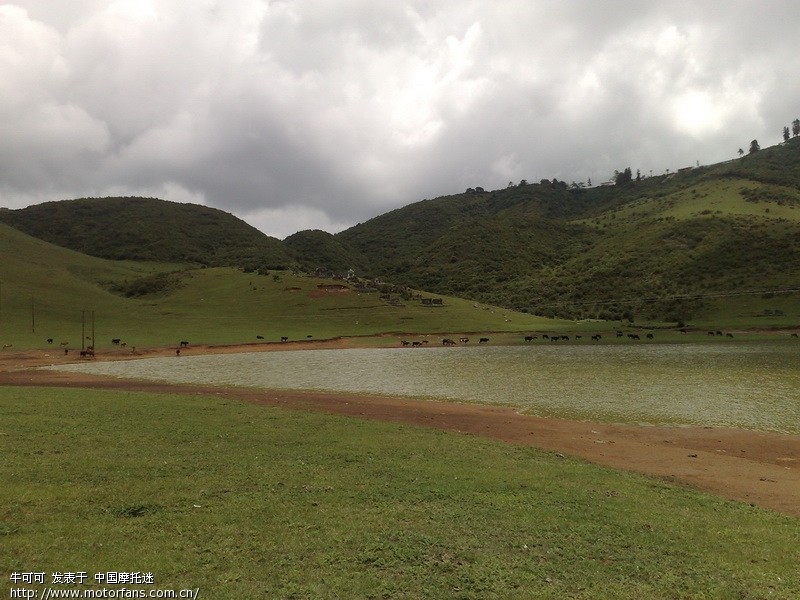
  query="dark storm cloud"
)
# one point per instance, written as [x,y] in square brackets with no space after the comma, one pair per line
[324,113]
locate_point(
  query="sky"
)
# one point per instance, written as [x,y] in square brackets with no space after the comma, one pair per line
[320,114]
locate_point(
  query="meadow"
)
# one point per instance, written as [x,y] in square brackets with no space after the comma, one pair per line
[248,501]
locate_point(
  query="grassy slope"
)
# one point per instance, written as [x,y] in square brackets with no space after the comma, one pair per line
[251,502]
[598,252]
[214,305]
[149,229]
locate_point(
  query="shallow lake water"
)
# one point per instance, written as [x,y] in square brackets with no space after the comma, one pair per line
[747,385]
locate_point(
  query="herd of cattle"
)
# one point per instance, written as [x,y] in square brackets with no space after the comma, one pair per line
[88,352]
[557,338]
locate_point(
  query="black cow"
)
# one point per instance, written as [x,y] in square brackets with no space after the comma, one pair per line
[530,338]
[49,340]
[483,340]
[116,341]
[404,343]
[649,336]
[184,344]
[259,337]
[597,337]
[448,342]
[284,339]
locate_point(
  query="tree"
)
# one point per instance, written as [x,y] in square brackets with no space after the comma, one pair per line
[785,134]
[622,178]
[754,147]
[796,127]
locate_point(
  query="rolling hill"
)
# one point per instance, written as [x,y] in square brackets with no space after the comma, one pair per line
[705,244]
[150,229]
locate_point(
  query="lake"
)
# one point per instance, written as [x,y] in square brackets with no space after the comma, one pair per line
[751,385]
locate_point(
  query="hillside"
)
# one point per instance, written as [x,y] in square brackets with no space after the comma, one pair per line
[672,247]
[149,229]
[50,292]
[703,244]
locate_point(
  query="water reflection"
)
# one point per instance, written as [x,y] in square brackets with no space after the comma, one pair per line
[753,385]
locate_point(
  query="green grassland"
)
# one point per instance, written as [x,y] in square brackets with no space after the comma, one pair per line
[50,292]
[246,501]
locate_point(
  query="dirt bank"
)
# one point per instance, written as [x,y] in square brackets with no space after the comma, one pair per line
[754,467]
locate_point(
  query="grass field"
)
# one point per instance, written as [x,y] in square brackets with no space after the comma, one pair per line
[244,501]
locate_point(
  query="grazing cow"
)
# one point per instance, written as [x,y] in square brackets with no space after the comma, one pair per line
[6,346]
[565,338]
[649,336]
[719,333]
[448,342]
[633,336]
[416,344]
[64,343]
[259,337]
[530,338]
[284,338]
[49,340]
[578,337]
[730,335]
[710,333]
[87,353]
[463,340]
[404,343]
[483,340]
[682,330]
[596,337]
[424,341]
[620,334]
[184,344]
[545,336]
[116,341]
[794,335]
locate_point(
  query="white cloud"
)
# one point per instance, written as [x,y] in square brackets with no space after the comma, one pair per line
[319,114]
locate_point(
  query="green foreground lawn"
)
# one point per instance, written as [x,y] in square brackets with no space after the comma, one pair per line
[245,501]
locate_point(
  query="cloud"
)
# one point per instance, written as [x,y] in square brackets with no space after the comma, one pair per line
[320,114]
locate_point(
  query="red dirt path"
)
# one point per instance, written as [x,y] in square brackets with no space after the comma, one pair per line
[755,467]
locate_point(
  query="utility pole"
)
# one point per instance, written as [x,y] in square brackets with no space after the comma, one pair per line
[33,317]
[83,330]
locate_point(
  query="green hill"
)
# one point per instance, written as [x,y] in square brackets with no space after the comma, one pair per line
[713,244]
[710,243]
[49,292]
[150,229]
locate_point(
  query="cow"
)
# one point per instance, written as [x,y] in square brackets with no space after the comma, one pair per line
[794,335]
[633,336]
[184,344]
[483,340]
[596,337]
[730,335]
[259,337]
[404,343]
[530,338]
[416,344]
[463,340]
[649,336]
[448,342]
[49,340]
[284,338]
[116,341]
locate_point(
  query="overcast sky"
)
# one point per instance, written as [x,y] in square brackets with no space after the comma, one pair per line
[318,114]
